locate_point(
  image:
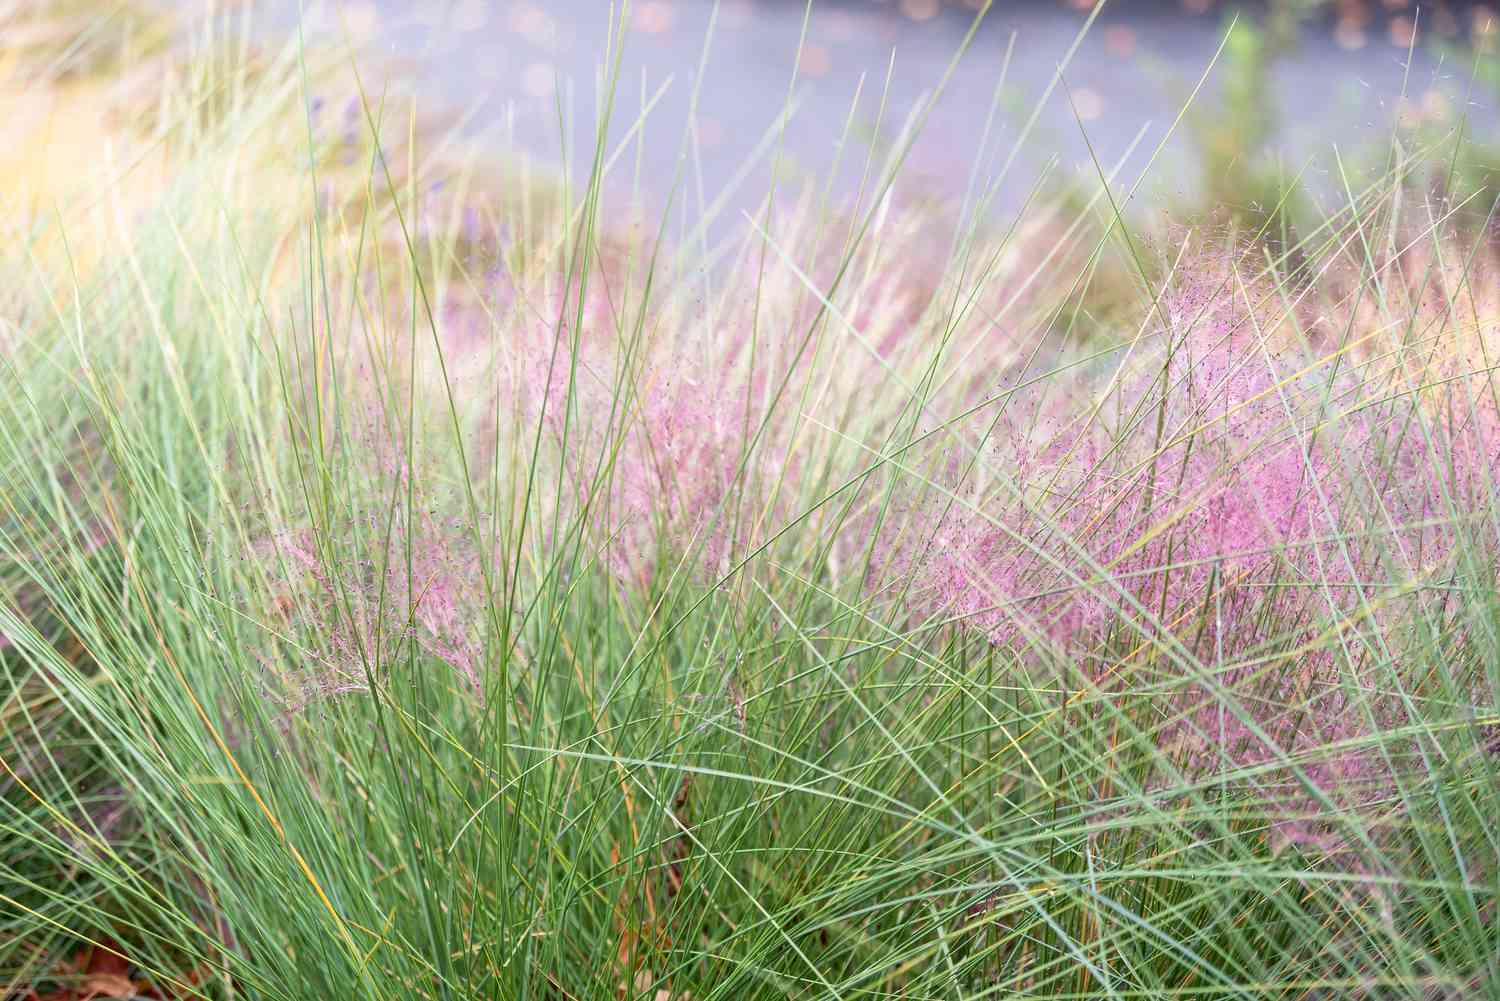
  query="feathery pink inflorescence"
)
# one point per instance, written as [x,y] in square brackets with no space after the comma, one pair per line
[1215,459]
[651,442]
[1228,490]
[369,588]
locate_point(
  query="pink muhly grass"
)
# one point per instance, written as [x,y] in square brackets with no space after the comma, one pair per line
[649,440]
[681,428]
[1305,737]
[366,588]
[1230,495]
[1211,463]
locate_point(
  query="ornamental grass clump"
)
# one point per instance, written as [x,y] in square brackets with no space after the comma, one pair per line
[648,439]
[1237,498]
[419,580]
[373,585]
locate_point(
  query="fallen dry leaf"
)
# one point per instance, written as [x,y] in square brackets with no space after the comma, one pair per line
[106,974]
[108,985]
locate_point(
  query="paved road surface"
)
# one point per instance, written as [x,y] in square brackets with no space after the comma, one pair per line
[503,61]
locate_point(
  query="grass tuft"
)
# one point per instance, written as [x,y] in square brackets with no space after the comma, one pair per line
[414,583]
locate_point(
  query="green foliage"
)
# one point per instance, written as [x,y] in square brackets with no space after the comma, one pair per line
[760,781]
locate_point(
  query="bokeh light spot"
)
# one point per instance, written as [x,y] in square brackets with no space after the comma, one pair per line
[920,10]
[1119,39]
[1089,103]
[655,17]
[815,61]
[539,80]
